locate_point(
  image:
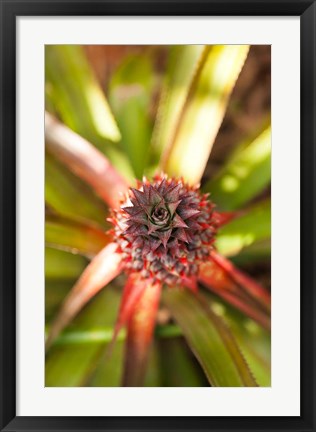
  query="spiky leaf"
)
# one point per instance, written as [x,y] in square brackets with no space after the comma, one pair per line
[209,338]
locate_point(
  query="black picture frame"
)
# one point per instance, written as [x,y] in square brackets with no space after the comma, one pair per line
[10,10]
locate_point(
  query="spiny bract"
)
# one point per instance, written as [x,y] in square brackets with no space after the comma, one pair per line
[164,229]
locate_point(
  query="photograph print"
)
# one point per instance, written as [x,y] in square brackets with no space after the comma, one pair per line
[157,216]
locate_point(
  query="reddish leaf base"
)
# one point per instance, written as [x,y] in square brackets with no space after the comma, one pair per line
[223,218]
[132,293]
[238,289]
[140,328]
[102,269]
[85,161]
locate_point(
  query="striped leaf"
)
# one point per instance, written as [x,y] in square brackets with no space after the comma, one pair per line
[210,340]
[203,110]
[182,63]
[246,173]
[70,196]
[74,91]
[74,236]
[252,227]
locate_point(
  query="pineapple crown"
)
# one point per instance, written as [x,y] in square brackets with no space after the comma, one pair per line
[164,229]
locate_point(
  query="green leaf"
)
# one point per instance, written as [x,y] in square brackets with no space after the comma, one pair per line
[63,265]
[253,340]
[120,161]
[178,366]
[153,376]
[252,227]
[182,63]
[245,174]
[257,252]
[73,236]
[73,93]
[70,196]
[255,346]
[73,89]
[203,111]
[110,367]
[72,365]
[55,291]
[130,93]
[209,339]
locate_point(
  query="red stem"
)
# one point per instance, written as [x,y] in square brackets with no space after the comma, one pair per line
[251,286]
[84,160]
[103,268]
[132,292]
[140,331]
[216,278]
[222,218]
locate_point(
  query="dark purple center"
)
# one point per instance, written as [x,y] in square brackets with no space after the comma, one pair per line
[160,216]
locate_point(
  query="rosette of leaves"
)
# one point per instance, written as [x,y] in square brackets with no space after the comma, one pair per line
[144,276]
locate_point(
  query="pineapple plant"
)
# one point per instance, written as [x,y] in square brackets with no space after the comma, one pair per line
[145,250]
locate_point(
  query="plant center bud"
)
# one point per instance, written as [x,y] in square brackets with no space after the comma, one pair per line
[160,216]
